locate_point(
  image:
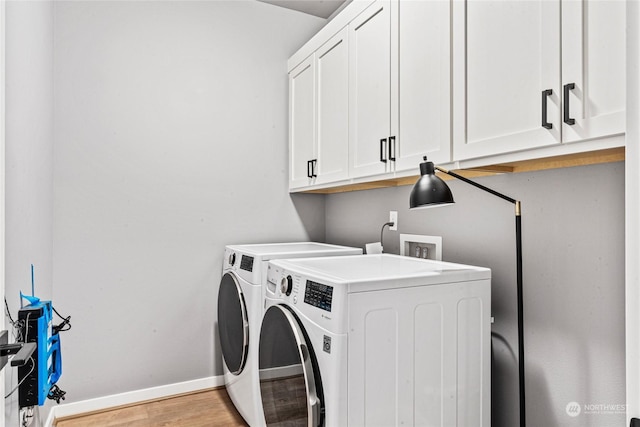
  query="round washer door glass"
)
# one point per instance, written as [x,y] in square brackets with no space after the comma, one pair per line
[289,384]
[233,324]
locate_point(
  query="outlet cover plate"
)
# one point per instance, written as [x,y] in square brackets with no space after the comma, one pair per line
[393,217]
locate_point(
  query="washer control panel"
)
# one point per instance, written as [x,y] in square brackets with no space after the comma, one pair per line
[319,299]
[246,263]
[318,295]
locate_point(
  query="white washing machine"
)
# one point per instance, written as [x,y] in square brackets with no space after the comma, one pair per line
[240,308]
[376,340]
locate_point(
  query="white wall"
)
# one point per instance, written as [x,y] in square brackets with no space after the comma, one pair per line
[170,142]
[573,238]
[29,159]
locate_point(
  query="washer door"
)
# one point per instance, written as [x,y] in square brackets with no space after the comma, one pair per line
[233,324]
[289,379]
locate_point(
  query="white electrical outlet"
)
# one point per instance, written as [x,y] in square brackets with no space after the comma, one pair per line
[393,217]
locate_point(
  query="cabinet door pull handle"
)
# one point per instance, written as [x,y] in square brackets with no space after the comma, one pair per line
[545,98]
[392,142]
[383,141]
[567,88]
[309,167]
[314,167]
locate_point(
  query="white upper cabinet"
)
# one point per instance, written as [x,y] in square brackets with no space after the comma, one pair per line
[319,116]
[423,87]
[399,86]
[374,98]
[370,90]
[302,124]
[505,56]
[332,74]
[593,63]
[535,73]
[475,82]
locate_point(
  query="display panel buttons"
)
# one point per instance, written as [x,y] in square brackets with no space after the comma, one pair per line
[318,295]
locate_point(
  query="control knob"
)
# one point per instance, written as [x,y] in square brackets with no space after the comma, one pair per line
[232,259]
[286,285]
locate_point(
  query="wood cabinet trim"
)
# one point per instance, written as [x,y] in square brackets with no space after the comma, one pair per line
[565,161]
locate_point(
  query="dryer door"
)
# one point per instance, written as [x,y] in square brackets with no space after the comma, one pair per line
[233,324]
[289,379]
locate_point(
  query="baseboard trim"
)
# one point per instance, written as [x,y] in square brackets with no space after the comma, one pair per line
[129,398]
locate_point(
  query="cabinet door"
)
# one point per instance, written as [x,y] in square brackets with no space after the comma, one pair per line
[505,54]
[301,123]
[424,83]
[593,60]
[332,73]
[369,87]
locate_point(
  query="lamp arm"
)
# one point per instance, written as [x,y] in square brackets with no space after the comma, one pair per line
[475,184]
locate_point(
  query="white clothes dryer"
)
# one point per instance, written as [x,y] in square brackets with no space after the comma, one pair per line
[376,340]
[240,308]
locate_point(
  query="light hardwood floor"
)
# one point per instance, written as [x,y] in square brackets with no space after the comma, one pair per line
[208,408]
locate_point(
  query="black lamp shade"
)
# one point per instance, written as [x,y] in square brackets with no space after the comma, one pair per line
[430,190]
